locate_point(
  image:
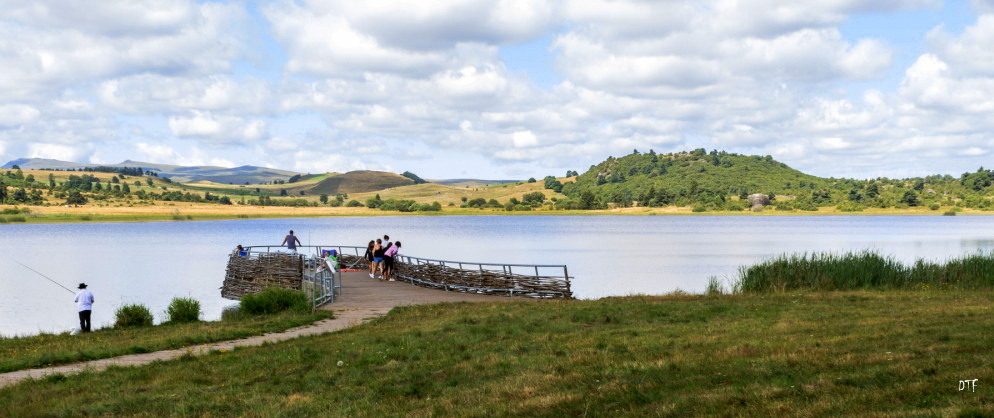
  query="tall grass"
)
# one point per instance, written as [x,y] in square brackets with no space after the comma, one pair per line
[864,270]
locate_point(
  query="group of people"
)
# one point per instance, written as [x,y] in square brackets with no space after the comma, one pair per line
[380,254]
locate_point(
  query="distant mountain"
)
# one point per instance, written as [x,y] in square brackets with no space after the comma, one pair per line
[237,175]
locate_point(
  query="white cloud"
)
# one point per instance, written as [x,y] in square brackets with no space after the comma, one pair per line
[217,128]
[13,115]
[150,93]
[58,151]
[156,152]
[524,139]
[46,46]
[973,151]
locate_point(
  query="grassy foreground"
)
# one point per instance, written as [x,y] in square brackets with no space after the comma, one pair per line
[812,354]
[52,349]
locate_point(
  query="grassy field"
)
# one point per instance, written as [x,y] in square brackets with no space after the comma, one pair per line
[430,192]
[807,354]
[52,349]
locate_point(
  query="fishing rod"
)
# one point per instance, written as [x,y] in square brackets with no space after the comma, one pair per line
[42,275]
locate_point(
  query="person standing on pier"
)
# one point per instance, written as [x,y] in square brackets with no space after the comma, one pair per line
[388,257]
[291,242]
[369,257]
[84,301]
[377,257]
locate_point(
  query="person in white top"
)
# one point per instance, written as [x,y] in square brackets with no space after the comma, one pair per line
[84,301]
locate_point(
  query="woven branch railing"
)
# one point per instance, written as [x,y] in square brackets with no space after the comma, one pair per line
[260,267]
[547,282]
[255,271]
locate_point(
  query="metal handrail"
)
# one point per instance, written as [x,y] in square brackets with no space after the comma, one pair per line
[419,258]
[326,284]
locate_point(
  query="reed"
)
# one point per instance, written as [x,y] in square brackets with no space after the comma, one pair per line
[863,270]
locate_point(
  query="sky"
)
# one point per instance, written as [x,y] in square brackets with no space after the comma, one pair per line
[500,89]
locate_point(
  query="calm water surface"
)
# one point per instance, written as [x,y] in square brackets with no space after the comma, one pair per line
[150,263]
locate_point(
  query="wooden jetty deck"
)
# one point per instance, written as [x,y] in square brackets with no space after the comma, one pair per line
[359,292]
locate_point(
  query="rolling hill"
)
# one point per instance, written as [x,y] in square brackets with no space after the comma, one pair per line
[358,182]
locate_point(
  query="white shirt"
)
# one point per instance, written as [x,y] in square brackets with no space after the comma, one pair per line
[84,300]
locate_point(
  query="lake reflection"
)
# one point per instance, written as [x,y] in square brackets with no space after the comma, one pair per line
[150,263]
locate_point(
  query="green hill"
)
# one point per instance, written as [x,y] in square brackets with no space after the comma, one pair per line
[687,177]
[358,182]
[718,180]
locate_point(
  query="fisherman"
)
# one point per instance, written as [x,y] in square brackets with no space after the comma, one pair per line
[84,301]
[291,242]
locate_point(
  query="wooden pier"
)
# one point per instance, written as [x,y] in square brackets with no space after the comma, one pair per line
[265,266]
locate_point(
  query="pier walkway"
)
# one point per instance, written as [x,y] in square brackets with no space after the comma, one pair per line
[361,300]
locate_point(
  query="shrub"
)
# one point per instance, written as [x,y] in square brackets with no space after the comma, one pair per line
[949,213]
[353,204]
[849,207]
[934,206]
[133,316]
[183,310]
[700,209]
[273,300]
[17,219]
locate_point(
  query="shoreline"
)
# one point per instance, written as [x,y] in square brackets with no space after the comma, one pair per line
[195,212]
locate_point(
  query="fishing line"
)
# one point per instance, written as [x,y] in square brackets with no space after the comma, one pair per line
[42,275]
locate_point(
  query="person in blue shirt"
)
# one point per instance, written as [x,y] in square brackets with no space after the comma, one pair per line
[291,242]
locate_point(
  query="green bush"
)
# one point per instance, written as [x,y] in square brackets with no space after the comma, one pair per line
[949,213]
[183,310]
[934,206]
[17,219]
[133,316]
[699,209]
[273,300]
[849,207]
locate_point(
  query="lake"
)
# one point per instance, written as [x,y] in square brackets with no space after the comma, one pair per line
[150,263]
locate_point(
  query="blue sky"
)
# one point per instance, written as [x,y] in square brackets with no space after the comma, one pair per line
[500,89]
